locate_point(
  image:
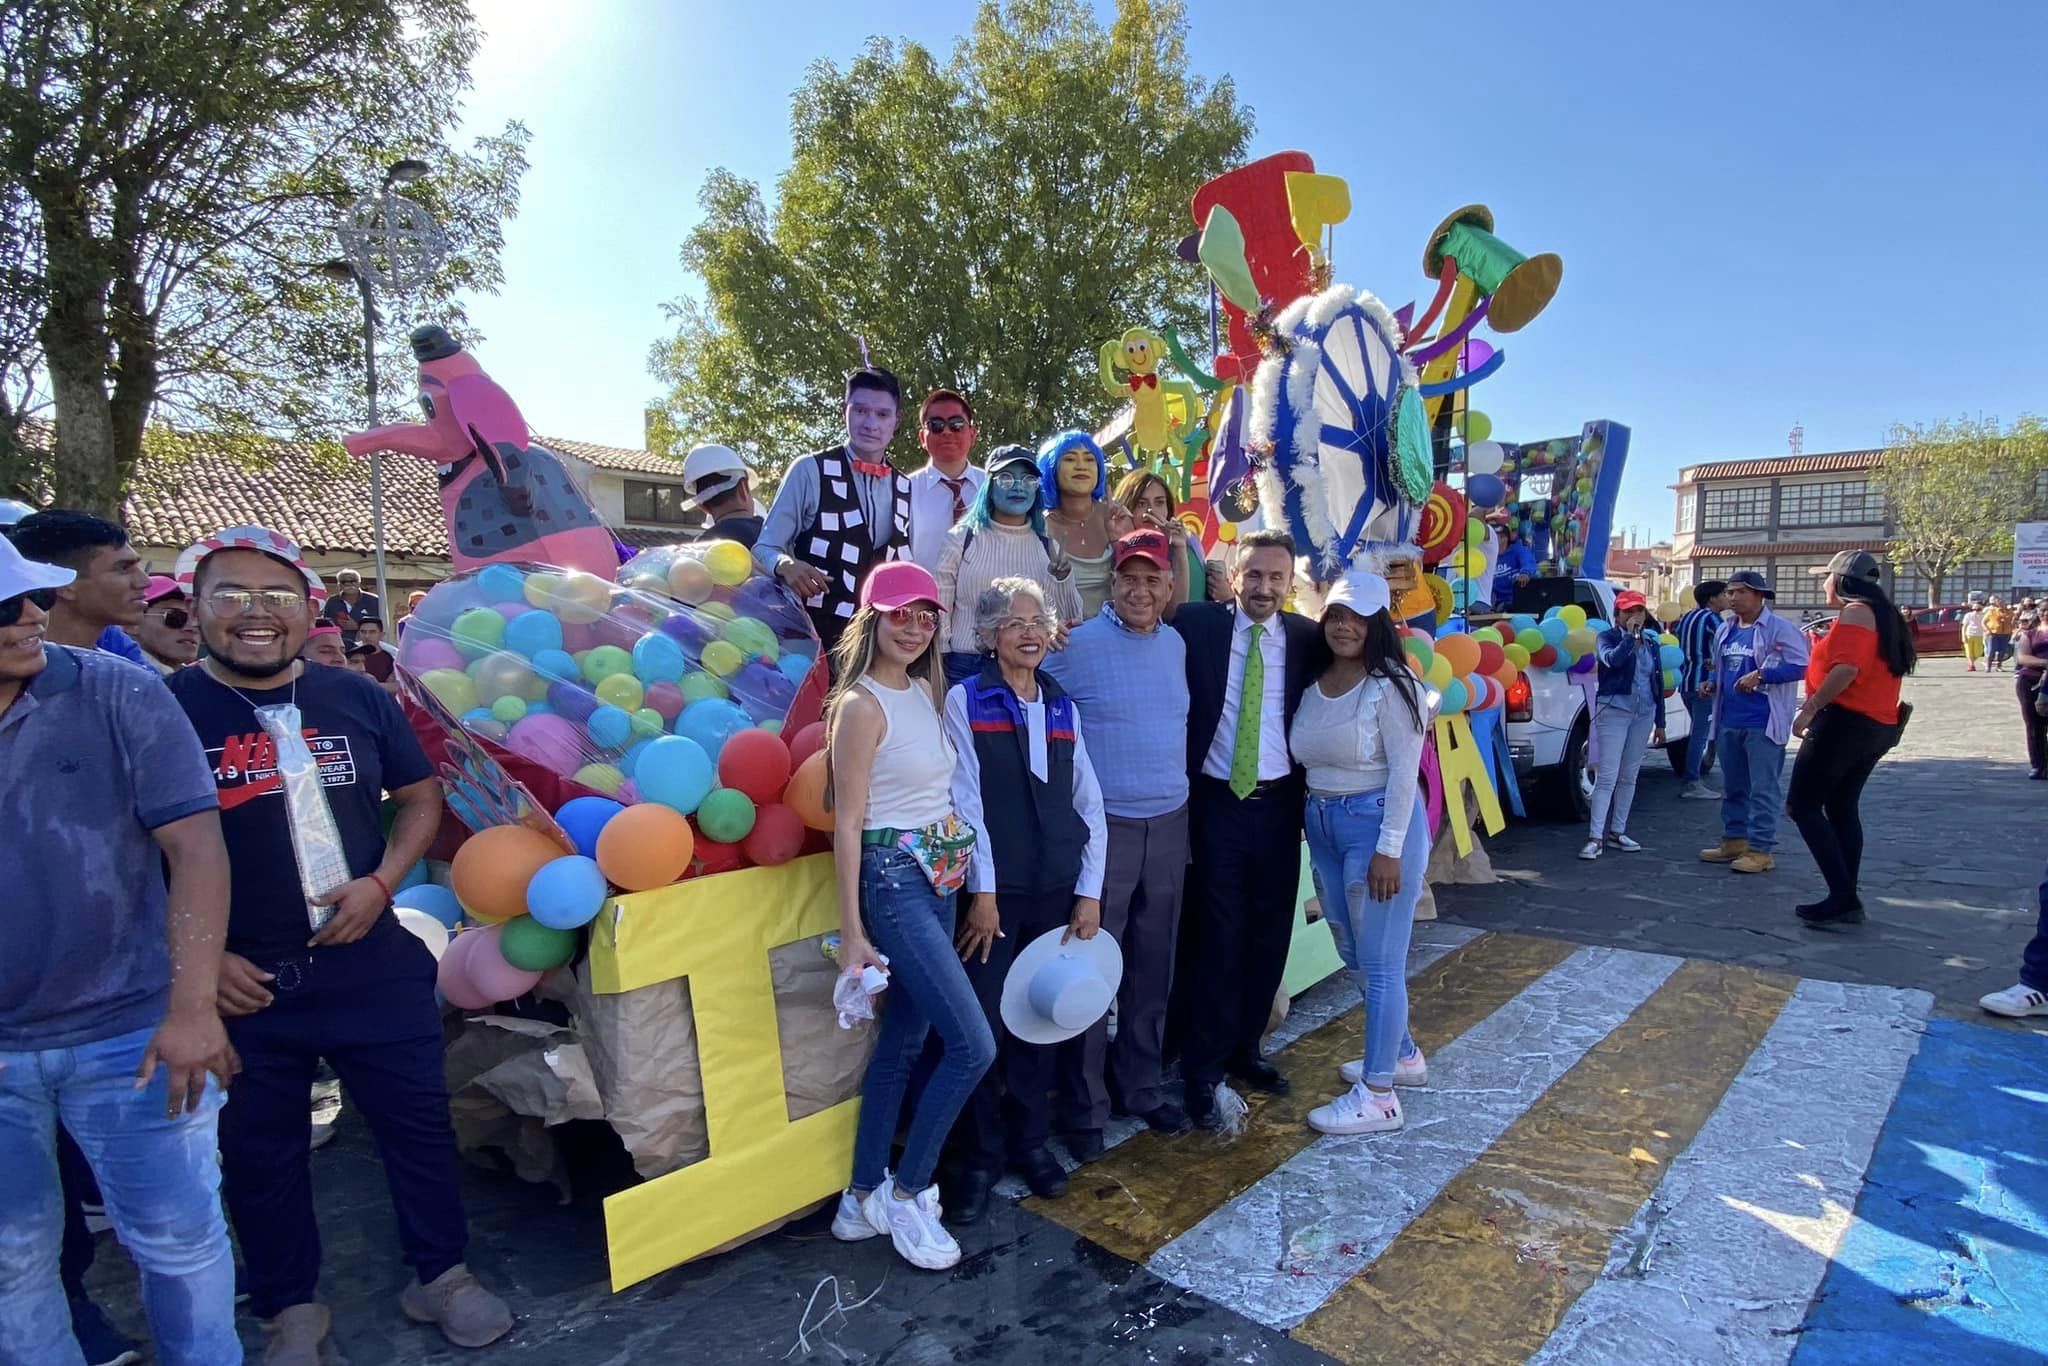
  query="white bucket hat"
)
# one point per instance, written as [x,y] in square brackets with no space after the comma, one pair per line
[19,575]
[1054,991]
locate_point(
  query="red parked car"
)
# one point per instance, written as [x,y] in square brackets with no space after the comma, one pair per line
[1939,630]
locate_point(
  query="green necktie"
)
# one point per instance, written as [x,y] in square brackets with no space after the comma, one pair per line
[1251,706]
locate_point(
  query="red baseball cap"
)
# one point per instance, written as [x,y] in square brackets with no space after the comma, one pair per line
[1143,545]
[898,583]
[1628,598]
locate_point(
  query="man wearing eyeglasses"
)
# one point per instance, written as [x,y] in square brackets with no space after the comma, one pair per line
[114,913]
[359,990]
[842,511]
[943,490]
[169,633]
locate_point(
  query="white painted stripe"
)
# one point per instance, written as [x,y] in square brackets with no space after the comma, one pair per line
[1279,1250]
[1317,1006]
[1721,1261]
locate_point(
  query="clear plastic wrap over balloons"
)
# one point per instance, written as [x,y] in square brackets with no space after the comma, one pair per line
[581,675]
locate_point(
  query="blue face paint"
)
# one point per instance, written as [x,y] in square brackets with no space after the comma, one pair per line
[1013,493]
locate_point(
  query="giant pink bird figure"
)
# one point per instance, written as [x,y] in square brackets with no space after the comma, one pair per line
[504,497]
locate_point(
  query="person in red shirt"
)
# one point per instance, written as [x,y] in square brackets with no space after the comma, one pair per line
[1851,716]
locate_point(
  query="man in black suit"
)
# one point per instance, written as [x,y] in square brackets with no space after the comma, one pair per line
[1248,665]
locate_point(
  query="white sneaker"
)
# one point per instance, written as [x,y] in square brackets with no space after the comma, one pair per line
[1624,843]
[1409,1071]
[1699,792]
[1590,850]
[1358,1111]
[850,1223]
[913,1226]
[2017,1002]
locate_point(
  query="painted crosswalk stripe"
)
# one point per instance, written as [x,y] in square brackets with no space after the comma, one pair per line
[1720,1262]
[1505,1249]
[1280,1250]
[1150,1190]
[1337,994]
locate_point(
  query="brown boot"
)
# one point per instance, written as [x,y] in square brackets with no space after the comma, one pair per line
[467,1314]
[1755,861]
[1727,851]
[294,1337]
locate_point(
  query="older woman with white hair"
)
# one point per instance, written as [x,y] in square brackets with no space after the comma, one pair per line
[1023,780]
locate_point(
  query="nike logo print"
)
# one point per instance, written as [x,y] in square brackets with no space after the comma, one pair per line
[232,797]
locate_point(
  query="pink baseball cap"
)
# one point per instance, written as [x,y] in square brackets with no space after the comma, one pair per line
[162,586]
[323,628]
[898,583]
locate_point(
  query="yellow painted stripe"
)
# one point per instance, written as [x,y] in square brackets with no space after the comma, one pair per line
[1148,1191]
[1490,1268]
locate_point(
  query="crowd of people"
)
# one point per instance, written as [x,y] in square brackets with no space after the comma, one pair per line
[1058,739]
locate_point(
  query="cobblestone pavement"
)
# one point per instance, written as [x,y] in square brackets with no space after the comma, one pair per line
[1955,845]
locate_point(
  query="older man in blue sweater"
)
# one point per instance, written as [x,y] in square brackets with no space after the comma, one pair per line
[1128,676]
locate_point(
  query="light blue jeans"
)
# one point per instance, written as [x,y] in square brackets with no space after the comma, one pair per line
[162,1188]
[1624,739]
[1372,936]
[912,926]
[1752,786]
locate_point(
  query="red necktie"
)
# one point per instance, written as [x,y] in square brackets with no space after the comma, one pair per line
[959,500]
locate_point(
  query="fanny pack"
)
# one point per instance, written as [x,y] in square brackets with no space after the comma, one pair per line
[943,849]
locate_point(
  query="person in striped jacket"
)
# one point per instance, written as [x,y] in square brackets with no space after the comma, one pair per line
[1696,632]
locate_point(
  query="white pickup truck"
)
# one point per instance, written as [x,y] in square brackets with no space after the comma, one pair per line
[1548,725]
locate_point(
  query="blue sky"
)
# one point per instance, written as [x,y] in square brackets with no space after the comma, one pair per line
[1768,213]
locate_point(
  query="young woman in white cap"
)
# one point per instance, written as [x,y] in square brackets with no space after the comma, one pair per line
[901,854]
[1359,733]
[1849,719]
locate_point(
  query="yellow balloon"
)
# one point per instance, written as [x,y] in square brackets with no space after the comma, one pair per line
[1478,426]
[453,687]
[1573,616]
[727,562]
[1438,673]
[580,599]
[723,658]
[722,610]
[1517,656]
[689,581]
[1439,588]
[621,690]
[605,778]
[541,587]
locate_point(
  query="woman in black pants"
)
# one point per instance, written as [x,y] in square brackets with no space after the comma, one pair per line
[2032,644]
[1849,719]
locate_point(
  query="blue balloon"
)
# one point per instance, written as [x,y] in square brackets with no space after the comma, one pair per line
[1485,490]
[540,708]
[658,658]
[416,876]
[610,727]
[476,716]
[795,667]
[501,583]
[1521,621]
[710,722]
[533,633]
[556,665]
[573,700]
[1452,626]
[1670,656]
[567,893]
[674,771]
[631,758]
[437,901]
[1454,697]
[1554,631]
[583,818]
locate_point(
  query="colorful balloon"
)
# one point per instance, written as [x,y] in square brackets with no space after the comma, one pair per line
[726,815]
[777,837]
[531,946]
[755,763]
[491,869]
[805,794]
[674,771]
[645,846]
[583,819]
[566,893]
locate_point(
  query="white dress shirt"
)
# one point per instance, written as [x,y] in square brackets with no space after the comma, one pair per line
[981,870]
[1273,761]
[931,510]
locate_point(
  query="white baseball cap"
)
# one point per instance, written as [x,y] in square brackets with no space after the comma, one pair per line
[1360,591]
[19,574]
[710,470]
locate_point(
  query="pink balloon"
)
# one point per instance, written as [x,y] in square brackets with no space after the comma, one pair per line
[495,979]
[551,740]
[422,652]
[452,977]
[1477,353]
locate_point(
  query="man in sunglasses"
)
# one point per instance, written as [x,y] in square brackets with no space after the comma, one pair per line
[842,511]
[169,632]
[113,918]
[943,490]
[359,990]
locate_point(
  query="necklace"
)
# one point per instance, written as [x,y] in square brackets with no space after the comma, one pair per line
[253,703]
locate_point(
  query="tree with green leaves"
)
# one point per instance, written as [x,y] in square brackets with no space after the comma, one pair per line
[984,222]
[170,174]
[1953,491]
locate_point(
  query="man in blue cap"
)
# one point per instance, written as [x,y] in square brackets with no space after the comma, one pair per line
[1759,662]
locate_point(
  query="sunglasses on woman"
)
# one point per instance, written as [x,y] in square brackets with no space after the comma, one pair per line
[935,425]
[923,617]
[10,610]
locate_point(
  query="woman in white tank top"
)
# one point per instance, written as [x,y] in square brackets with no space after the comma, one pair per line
[895,851]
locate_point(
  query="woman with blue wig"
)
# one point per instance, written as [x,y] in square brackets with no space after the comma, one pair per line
[1002,536]
[1080,515]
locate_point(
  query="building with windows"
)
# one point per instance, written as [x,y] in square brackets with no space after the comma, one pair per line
[1787,516]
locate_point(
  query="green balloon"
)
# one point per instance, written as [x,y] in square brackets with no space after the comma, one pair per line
[528,944]
[726,815]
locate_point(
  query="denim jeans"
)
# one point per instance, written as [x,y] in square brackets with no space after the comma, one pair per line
[1624,740]
[2034,965]
[162,1188]
[1372,936]
[1752,786]
[912,926]
[1699,748]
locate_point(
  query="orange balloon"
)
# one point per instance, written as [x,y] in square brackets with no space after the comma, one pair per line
[805,794]
[1461,650]
[645,846]
[1507,673]
[493,866]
